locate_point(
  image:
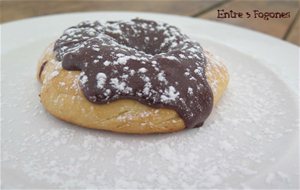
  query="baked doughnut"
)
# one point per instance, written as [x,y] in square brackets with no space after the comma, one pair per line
[136,76]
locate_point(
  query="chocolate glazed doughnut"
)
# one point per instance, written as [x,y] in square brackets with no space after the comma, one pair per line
[118,61]
[141,60]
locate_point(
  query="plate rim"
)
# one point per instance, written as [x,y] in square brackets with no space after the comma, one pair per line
[30,19]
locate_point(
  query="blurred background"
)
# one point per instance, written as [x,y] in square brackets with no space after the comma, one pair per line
[285,28]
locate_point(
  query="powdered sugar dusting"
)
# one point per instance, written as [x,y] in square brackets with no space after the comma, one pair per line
[169,94]
[101,79]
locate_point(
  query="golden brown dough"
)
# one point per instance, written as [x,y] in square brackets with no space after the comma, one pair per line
[62,97]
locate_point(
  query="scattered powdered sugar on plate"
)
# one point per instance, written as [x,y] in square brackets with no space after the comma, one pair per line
[246,134]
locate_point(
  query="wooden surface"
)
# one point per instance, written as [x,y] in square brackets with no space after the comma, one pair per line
[284,28]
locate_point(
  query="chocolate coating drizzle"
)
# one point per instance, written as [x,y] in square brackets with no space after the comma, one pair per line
[42,68]
[153,63]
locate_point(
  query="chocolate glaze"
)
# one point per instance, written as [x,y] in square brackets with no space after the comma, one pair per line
[153,63]
[42,68]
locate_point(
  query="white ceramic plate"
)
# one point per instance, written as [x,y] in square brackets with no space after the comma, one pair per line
[250,139]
